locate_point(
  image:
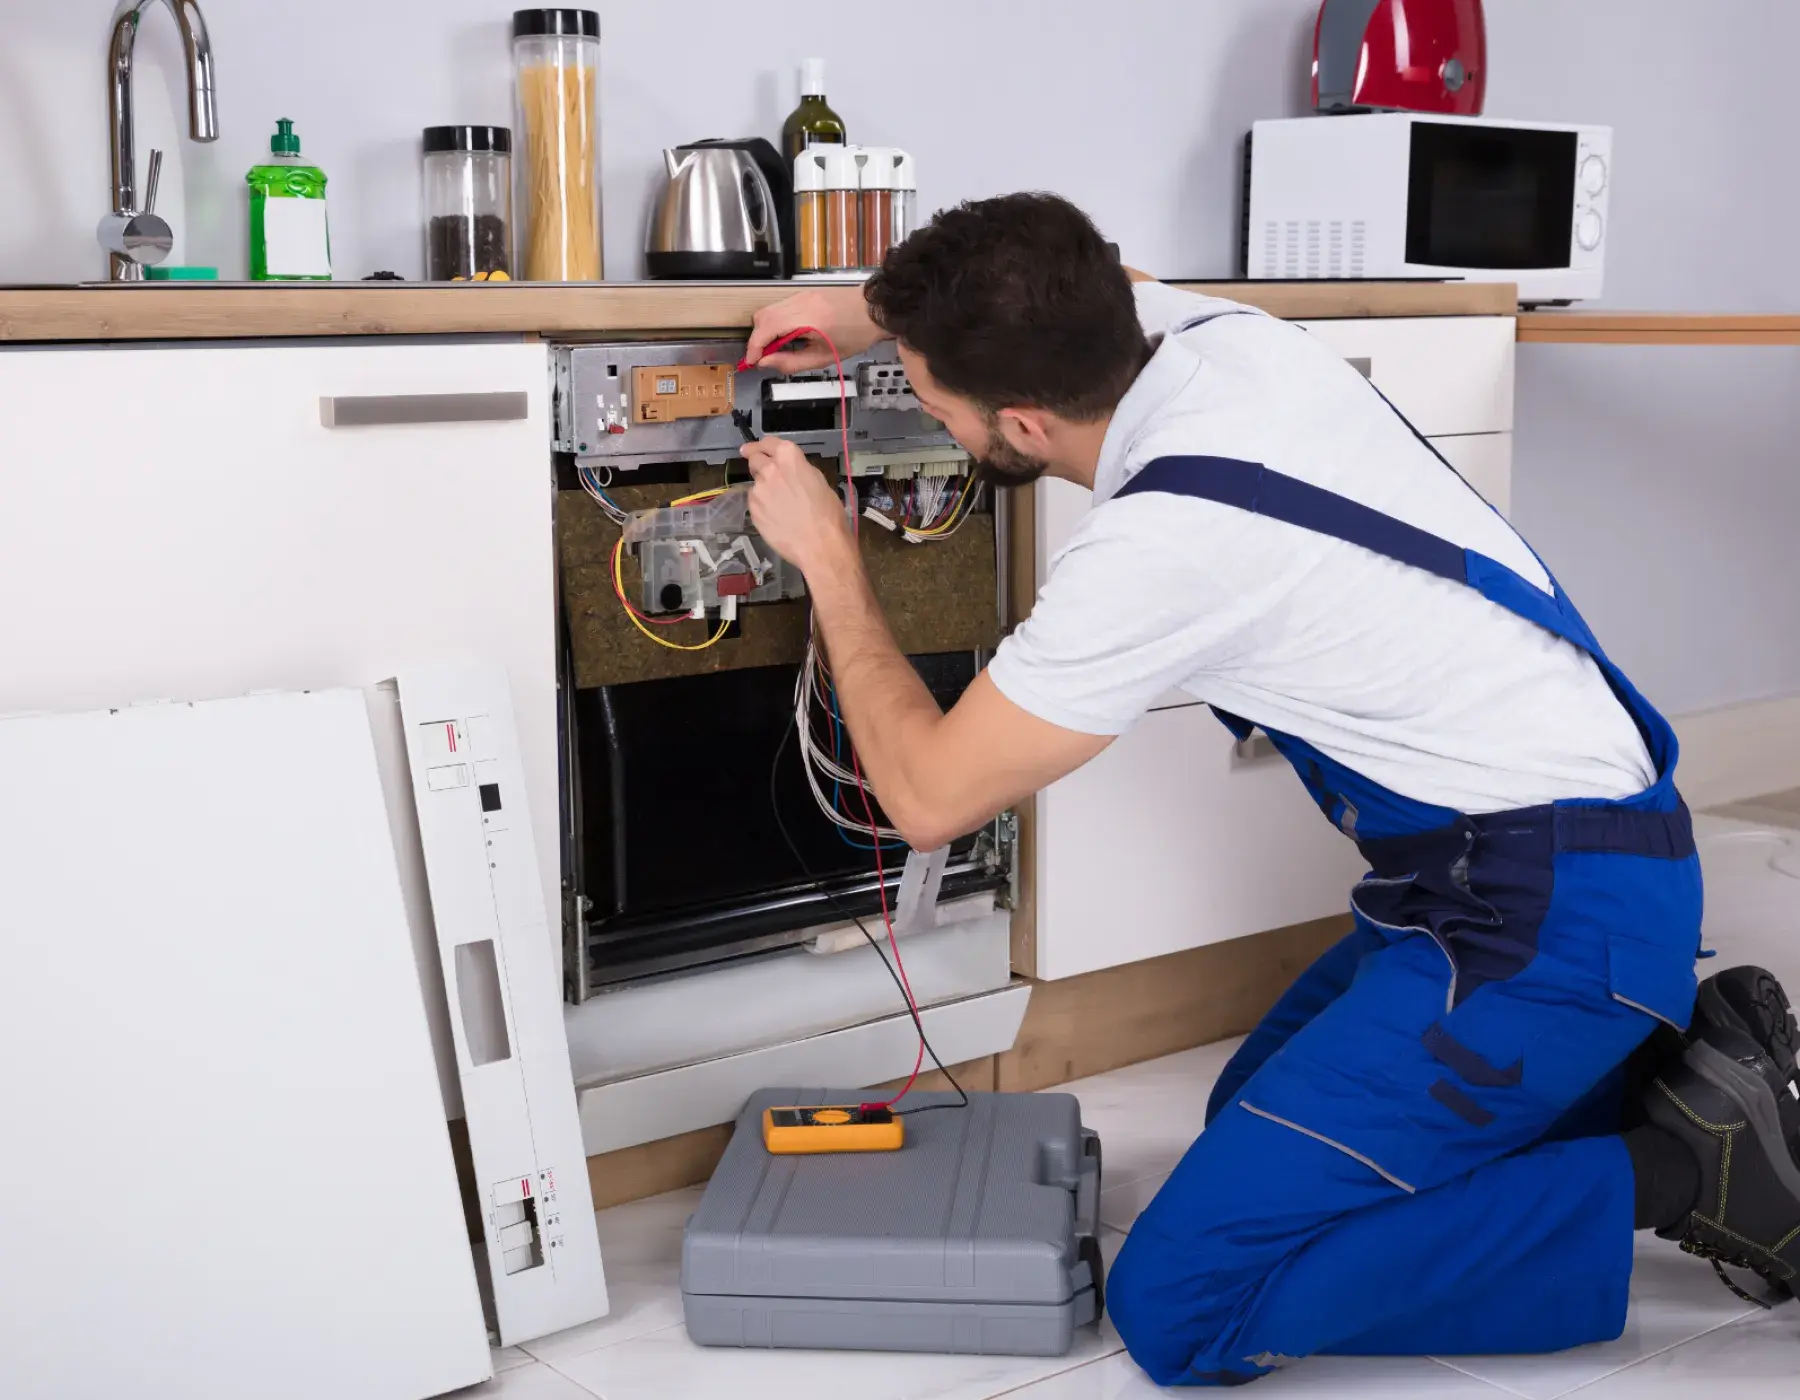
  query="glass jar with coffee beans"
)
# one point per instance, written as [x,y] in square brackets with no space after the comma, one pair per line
[468,204]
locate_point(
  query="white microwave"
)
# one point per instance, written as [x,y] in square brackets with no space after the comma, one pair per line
[1405,194]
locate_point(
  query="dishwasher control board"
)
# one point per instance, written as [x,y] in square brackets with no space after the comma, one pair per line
[630,404]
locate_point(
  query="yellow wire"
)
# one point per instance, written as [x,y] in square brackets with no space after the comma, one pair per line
[699,496]
[965,508]
[637,622]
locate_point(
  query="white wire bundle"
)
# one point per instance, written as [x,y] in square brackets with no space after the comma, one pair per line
[591,483]
[929,494]
[819,766]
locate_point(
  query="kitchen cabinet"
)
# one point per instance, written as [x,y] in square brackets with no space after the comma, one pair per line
[1445,374]
[1176,836]
[180,523]
[1169,840]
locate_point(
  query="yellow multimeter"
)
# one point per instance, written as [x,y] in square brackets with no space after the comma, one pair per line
[832,1128]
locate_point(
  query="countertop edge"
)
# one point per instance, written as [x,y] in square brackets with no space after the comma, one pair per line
[170,312]
[1658,328]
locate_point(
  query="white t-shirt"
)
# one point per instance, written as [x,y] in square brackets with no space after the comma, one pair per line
[1416,682]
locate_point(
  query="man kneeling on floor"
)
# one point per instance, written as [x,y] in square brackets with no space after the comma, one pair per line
[1432,1144]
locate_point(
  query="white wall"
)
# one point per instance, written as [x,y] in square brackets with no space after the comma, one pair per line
[1659,484]
[1663,485]
[1135,112]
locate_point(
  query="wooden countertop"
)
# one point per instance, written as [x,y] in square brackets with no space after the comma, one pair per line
[190,311]
[1655,328]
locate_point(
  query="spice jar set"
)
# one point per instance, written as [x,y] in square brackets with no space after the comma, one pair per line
[851,204]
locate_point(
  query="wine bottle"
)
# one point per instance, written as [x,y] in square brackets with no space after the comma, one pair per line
[813,122]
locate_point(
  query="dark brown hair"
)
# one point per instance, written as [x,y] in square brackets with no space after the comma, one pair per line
[1015,302]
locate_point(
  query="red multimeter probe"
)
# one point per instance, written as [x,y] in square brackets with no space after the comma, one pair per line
[777,345]
[865,1127]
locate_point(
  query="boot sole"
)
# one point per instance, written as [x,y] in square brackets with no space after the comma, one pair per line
[1773,1026]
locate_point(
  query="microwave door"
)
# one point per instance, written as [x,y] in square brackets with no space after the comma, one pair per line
[1487,199]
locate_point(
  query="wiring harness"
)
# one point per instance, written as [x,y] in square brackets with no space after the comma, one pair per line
[928,508]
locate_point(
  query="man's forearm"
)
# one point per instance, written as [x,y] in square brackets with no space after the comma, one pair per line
[891,715]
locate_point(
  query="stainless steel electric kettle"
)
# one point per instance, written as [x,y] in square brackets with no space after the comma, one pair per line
[720,214]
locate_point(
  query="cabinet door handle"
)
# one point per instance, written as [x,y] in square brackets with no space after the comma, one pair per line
[389,410]
[1362,364]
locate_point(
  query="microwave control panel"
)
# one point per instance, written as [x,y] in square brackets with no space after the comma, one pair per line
[627,405]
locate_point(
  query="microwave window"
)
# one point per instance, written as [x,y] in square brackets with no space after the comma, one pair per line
[1480,197]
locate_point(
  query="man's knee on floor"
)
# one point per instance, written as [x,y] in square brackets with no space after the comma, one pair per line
[1249,1195]
[1177,1315]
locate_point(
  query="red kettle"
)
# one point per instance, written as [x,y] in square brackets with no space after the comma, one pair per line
[1405,55]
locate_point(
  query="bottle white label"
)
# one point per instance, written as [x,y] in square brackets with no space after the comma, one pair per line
[294,238]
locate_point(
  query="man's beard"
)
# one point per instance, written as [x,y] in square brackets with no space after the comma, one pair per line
[1006,464]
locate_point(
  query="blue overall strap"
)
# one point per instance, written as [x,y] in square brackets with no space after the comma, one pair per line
[1252,487]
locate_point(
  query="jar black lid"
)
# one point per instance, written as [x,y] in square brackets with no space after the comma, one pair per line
[467,138]
[582,22]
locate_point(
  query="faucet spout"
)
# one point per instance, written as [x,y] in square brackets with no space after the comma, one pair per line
[203,112]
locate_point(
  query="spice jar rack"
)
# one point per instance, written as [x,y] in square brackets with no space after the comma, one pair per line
[851,204]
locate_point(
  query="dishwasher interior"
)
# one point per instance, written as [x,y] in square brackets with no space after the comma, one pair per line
[710,803]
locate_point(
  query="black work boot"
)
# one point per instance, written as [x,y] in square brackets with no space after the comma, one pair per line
[1735,1102]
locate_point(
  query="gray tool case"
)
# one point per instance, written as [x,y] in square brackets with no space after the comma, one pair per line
[980,1235]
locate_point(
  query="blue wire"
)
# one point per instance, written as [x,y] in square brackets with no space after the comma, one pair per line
[587,475]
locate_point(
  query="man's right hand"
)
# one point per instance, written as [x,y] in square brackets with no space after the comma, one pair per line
[840,312]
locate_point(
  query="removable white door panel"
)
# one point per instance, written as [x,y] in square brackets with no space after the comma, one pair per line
[226,1165]
[180,522]
[504,985]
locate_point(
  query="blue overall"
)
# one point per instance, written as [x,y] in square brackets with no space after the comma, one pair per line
[1411,1154]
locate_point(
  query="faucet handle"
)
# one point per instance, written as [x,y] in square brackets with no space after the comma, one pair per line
[143,239]
[150,182]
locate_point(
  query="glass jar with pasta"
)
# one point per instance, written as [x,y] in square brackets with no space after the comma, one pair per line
[556,63]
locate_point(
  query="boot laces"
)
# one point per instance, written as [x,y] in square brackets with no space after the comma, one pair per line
[1719,1256]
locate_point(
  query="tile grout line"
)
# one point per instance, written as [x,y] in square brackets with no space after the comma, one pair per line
[1664,1351]
[1503,1389]
[587,1390]
[606,1346]
[1607,1375]
[1482,1380]
[1056,1375]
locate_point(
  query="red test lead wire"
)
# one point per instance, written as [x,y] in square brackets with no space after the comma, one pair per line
[887,918]
[780,342]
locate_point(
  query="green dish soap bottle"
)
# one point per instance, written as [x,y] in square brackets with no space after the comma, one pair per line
[289,239]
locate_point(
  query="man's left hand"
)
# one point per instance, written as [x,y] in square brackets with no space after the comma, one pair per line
[793,506]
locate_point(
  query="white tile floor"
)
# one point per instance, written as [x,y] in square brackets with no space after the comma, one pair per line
[1686,1334]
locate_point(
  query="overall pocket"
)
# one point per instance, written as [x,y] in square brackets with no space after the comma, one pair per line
[1647,910]
[1652,978]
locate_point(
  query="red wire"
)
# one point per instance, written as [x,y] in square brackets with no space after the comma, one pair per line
[887,918]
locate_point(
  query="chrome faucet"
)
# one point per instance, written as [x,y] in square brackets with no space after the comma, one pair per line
[132,236]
